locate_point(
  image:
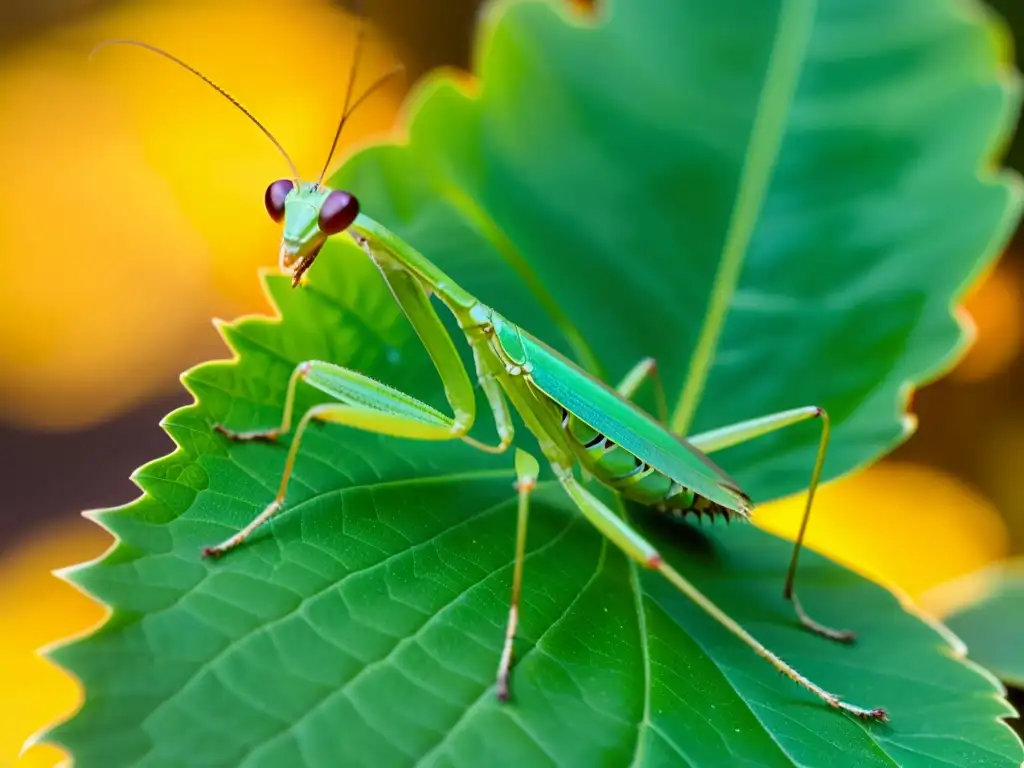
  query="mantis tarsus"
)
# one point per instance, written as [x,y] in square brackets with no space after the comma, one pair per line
[578,421]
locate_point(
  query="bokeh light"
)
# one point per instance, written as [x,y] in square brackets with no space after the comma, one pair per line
[39,608]
[906,525]
[131,212]
[996,307]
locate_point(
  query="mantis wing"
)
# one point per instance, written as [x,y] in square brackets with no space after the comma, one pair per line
[594,402]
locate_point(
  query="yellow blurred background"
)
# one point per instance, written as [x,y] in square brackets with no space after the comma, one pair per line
[129,150]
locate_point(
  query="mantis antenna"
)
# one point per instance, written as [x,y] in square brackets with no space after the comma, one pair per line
[350,106]
[360,35]
[347,112]
[209,82]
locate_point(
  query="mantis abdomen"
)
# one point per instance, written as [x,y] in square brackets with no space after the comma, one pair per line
[614,466]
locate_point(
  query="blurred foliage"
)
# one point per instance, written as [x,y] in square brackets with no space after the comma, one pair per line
[36,609]
[23,21]
[994,309]
[1013,13]
[874,521]
[986,610]
[115,160]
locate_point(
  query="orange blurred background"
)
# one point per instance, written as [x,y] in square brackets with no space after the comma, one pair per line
[130,150]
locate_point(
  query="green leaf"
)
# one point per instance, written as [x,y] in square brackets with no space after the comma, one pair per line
[992,623]
[780,201]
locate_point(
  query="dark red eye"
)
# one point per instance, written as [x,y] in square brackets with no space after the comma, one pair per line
[274,198]
[338,212]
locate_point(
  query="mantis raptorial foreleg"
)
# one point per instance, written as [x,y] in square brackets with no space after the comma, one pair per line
[375,407]
[413,298]
[499,408]
[744,431]
[640,550]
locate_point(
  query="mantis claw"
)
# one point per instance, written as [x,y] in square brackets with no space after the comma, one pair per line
[877,715]
[303,265]
[844,636]
[502,690]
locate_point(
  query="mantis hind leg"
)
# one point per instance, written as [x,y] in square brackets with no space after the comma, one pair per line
[637,548]
[748,430]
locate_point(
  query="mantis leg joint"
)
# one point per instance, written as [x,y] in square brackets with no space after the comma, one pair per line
[265,436]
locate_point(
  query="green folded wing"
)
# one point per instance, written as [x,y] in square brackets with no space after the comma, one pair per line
[604,409]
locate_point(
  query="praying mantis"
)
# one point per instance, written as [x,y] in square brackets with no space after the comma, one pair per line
[579,422]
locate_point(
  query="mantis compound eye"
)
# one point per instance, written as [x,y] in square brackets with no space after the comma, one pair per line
[338,212]
[274,198]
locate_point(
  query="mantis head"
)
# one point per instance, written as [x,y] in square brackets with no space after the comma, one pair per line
[310,213]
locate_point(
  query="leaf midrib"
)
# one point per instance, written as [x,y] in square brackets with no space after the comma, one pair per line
[785,63]
[490,230]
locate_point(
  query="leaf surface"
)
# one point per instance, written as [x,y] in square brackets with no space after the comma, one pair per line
[992,625]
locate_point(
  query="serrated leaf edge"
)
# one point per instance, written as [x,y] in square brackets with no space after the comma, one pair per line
[69,574]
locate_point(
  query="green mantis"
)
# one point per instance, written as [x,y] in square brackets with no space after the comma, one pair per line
[582,425]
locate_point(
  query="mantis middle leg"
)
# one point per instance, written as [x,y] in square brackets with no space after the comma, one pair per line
[526,471]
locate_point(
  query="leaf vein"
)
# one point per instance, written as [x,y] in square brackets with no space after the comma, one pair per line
[299,607]
[463,719]
[405,641]
[778,90]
